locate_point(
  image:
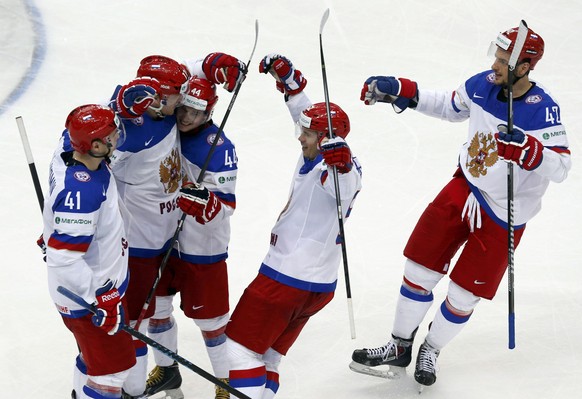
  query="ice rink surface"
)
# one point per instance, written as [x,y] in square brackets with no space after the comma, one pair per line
[57,54]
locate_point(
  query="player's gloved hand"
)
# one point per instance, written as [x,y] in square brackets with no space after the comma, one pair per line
[289,80]
[197,201]
[336,153]
[42,245]
[519,148]
[222,68]
[133,99]
[400,92]
[110,314]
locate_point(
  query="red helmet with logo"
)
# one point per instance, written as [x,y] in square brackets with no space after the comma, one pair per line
[87,123]
[200,95]
[533,48]
[315,117]
[170,73]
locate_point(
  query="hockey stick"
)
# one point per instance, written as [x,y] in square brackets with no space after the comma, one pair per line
[30,161]
[198,180]
[517,47]
[154,344]
[336,181]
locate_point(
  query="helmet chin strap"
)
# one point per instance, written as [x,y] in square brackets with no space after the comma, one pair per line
[515,77]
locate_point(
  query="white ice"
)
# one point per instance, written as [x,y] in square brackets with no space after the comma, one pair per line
[55,55]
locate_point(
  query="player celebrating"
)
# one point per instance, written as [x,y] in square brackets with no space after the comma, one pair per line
[87,249]
[471,210]
[148,171]
[299,274]
[197,268]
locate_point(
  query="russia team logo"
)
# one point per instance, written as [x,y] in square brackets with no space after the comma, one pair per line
[210,139]
[82,176]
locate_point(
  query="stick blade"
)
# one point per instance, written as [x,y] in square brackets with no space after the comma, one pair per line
[324,18]
[518,46]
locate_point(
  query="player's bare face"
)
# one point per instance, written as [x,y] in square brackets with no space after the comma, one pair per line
[309,140]
[500,66]
[189,118]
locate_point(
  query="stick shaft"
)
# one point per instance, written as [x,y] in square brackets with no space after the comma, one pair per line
[30,160]
[336,184]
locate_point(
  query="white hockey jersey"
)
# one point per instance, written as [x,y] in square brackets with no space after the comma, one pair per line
[208,243]
[305,250]
[536,113]
[147,168]
[83,231]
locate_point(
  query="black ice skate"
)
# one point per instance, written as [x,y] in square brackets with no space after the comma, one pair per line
[397,354]
[125,395]
[426,365]
[166,379]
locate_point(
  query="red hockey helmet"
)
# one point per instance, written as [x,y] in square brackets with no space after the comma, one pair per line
[315,117]
[200,95]
[170,73]
[87,123]
[533,48]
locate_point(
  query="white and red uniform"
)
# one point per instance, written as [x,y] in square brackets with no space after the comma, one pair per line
[470,212]
[210,244]
[147,169]
[86,246]
[197,268]
[298,276]
[482,192]
[536,113]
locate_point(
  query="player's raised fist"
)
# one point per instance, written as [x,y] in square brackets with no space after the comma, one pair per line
[289,80]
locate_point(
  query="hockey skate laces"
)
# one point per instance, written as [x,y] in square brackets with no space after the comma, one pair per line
[428,360]
[472,209]
[383,351]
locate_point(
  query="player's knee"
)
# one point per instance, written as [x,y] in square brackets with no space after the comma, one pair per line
[106,384]
[164,307]
[461,300]
[216,323]
[419,278]
[272,358]
[242,358]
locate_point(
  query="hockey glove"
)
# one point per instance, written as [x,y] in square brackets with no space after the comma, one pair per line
[519,148]
[222,68]
[42,245]
[133,99]
[289,80]
[401,93]
[110,314]
[197,201]
[336,153]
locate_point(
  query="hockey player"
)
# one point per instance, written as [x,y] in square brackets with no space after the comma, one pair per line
[148,173]
[298,276]
[87,249]
[471,210]
[197,268]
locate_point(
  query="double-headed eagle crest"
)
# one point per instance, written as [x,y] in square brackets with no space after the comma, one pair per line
[482,154]
[171,171]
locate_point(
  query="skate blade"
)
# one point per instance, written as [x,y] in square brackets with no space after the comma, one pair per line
[391,373]
[168,394]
